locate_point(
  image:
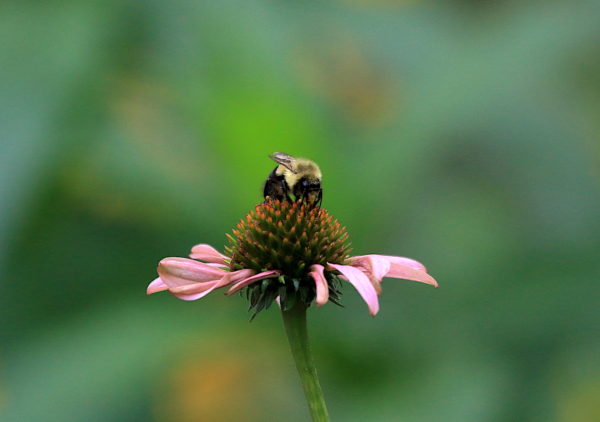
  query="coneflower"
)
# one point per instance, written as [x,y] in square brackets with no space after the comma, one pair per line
[286,251]
[294,254]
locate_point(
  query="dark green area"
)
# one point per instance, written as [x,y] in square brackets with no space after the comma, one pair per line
[463,134]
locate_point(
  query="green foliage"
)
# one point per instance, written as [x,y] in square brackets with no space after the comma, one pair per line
[462,134]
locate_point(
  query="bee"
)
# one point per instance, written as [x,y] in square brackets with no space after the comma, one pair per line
[299,177]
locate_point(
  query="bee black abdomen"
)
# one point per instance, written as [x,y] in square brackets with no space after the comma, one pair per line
[275,187]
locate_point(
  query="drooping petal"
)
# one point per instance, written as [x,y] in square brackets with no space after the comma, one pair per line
[362,284]
[156,286]
[236,276]
[215,265]
[410,273]
[321,284]
[376,264]
[253,279]
[176,272]
[207,253]
[399,267]
[199,290]
[194,291]
[401,260]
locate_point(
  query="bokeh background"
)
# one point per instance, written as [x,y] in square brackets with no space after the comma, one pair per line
[464,134]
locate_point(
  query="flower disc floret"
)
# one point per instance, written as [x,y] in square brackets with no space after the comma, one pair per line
[289,237]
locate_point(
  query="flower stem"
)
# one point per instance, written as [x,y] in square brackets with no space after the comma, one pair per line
[294,321]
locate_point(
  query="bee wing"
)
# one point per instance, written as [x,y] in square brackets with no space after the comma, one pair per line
[284,159]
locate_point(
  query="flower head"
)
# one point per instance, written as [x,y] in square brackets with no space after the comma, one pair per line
[289,252]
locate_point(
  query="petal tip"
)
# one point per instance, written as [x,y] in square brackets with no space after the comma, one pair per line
[157,285]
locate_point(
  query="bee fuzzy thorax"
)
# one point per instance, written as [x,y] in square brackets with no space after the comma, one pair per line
[302,169]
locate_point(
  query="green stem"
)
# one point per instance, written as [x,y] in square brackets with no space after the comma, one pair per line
[294,321]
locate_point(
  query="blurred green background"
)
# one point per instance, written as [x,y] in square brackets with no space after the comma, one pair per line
[464,134]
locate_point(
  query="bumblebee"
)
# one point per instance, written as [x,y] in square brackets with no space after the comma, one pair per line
[297,177]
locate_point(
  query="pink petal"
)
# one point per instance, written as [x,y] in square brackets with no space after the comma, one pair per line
[215,265]
[236,276]
[321,284]
[410,273]
[377,265]
[253,279]
[208,253]
[199,290]
[194,291]
[175,272]
[156,286]
[400,267]
[400,260]
[362,284]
